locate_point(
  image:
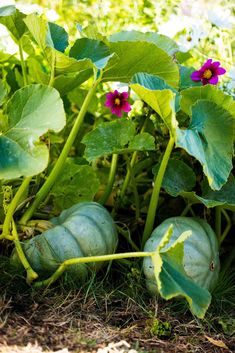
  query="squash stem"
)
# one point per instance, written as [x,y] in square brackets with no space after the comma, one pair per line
[111,179]
[74,261]
[128,175]
[23,66]
[156,191]
[228,226]
[132,163]
[12,207]
[52,75]
[43,192]
[31,274]
[135,191]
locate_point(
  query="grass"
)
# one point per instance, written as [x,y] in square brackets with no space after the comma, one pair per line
[112,306]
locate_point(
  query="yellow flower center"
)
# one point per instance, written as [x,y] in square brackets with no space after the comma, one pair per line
[207,74]
[117,101]
[189,38]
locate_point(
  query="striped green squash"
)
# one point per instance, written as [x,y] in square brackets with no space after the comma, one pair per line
[85,229]
[201,256]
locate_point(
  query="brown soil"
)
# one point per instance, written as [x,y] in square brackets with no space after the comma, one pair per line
[72,323]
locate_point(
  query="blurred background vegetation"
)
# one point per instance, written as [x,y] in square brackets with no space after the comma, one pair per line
[203,29]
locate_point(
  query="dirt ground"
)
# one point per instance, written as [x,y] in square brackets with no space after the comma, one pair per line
[76,323]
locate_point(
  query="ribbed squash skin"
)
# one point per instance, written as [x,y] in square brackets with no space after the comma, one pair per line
[85,229]
[201,255]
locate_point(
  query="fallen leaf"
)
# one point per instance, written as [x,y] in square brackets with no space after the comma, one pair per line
[217,343]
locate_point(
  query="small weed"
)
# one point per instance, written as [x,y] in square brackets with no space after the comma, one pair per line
[159,328]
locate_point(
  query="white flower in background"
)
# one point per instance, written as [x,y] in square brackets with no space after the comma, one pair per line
[231,75]
[52,15]
[30,8]
[220,17]
[191,38]
[7,44]
[195,9]
[174,25]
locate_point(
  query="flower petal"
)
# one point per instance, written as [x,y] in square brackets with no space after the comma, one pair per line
[126,107]
[116,111]
[124,95]
[213,80]
[206,65]
[215,64]
[220,71]
[196,76]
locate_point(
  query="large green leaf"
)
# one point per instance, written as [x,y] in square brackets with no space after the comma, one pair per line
[209,92]
[209,138]
[225,196]
[140,56]
[77,183]
[32,111]
[95,50]
[185,78]
[171,278]
[13,20]
[165,43]
[40,31]
[159,95]
[64,64]
[118,136]
[47,34]
[178,177]
[59,36]
[67,82]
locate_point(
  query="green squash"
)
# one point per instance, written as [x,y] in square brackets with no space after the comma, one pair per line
[201,255]
[85,229]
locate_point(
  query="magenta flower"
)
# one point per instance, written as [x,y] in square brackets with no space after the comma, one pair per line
[117,102]
[208,73]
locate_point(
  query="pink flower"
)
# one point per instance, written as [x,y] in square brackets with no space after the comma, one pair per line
[208,73]
[117,102]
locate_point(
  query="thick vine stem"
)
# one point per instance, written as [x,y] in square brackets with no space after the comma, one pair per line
[74,261]
[43,192]
[111,179]
[12,207]
[31,274]
[156,191]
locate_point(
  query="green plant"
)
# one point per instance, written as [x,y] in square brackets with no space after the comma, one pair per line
[159,328]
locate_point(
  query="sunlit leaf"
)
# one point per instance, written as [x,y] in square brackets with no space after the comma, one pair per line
[165,43]
[135,57]
[209,138]
[32,111]
[12,18]
[158,95]
[209,92]
[95,50]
